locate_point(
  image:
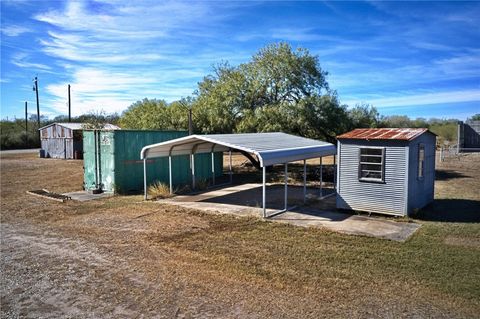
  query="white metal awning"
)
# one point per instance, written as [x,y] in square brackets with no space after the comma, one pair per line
[270,148]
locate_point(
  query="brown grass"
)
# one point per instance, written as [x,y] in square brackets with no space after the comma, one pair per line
[155,259]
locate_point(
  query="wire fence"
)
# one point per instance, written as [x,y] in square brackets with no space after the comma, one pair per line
[455,151]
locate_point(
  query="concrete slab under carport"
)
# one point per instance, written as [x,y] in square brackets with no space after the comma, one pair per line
[245,200]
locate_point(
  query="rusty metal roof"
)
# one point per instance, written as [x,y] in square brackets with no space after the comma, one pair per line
[404,134]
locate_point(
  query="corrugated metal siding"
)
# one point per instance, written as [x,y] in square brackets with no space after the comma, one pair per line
[421,191]
[388,197]
[58,147]
[129,167]
[57,141]
[122,170]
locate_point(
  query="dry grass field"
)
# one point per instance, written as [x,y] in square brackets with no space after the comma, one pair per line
[123,257]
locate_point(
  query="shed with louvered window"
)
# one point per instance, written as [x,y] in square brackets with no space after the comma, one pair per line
[387,170]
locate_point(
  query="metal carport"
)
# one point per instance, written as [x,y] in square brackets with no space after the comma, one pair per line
[269,148]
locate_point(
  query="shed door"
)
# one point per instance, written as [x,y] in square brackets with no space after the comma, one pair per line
[89,165]
[107,168]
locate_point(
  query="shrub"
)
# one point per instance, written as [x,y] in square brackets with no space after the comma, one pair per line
[159,190]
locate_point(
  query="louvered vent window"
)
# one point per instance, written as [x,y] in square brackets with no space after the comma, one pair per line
[371,167]
[421,161]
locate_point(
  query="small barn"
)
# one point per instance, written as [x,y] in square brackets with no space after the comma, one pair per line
[386,170]
[64,140]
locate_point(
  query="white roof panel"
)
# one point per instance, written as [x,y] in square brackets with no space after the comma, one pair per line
[270,148]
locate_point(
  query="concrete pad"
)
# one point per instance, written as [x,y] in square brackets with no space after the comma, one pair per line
[349,224]
[84,196]
[245,200]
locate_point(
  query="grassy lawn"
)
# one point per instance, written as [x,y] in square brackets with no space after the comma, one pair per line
[227,266]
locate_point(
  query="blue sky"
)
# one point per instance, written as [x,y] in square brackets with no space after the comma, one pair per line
[420,59]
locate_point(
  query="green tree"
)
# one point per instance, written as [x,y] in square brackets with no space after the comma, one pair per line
[363,116]
[475,117]
[396,121]
[280,89]
[145,114]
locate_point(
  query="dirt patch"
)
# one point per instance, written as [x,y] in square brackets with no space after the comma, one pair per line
[463,242]
[122,257]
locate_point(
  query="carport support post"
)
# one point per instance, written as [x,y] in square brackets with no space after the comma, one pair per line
[230,165]
[304,181]
[321,178]
[145,178]
[263,192]
[170,173]
[193,171]
[334,172]
[286,185]
[213,169]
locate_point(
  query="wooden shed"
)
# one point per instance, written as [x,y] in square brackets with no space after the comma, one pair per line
[386,170]
[64,140]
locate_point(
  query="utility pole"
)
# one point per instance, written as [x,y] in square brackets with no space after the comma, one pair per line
[69,106]
[35,88]
[26,125]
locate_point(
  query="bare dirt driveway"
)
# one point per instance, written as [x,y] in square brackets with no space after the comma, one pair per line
[121,257]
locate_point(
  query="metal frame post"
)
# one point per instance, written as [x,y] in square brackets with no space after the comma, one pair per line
[193,170]
[321,177]
[286,185]
[230,165]
[334,171]
[145,178]
[170,173]
[264,192]
[213,168]
[304,181]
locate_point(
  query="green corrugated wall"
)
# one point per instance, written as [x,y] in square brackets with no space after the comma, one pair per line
[122,170]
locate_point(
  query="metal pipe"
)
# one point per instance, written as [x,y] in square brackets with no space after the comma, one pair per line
[263,192]
[213,169]
[230,165]
[213,164]
[334,171]
[96,157]
[170,173]
[193,170]
[321,177]
[304,181]
[145,178]
[286,185]
[69,106]
[26,126]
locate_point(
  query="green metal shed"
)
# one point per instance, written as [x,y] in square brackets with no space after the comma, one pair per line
[112,163]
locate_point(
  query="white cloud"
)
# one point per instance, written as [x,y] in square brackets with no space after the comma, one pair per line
[22,60]
[422,99]
[14,30]
[96,90]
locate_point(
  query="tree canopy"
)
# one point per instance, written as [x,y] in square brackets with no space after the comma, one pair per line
[280,89]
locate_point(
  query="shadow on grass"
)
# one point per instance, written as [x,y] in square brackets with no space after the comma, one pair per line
[443,175]
[451,210]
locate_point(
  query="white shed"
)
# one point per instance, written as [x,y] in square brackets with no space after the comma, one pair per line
[64,140]
[386,170]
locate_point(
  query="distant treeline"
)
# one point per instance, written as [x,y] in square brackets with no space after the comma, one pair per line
[14,136]
[279,89]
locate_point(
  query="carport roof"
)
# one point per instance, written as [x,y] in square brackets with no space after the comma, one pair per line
[270,148]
